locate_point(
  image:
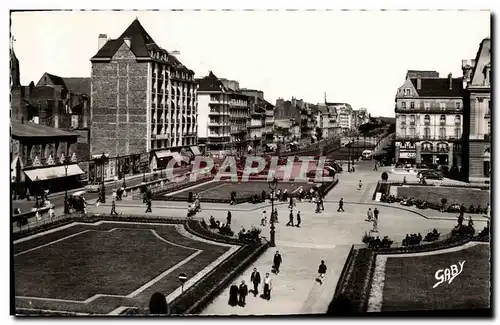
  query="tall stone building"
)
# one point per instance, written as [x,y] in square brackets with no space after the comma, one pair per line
[143,99]
[429,120]
[477,113]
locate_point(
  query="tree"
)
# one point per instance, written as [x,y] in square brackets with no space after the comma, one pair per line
[319,133]
[158,304]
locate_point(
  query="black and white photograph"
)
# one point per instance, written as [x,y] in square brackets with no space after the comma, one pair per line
[257,162]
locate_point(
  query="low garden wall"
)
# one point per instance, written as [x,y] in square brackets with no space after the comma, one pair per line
[355,281]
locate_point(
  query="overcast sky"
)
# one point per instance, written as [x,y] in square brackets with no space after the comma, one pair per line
[356,57]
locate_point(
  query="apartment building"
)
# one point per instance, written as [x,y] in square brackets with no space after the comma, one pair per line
[143,99]
[477,113]
[429,120]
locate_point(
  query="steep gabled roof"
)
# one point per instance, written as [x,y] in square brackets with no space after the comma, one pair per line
[73,85]
[211,83]
[139,38]
[439,87]
[141,43]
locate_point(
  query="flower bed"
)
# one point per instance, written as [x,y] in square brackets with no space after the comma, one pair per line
[356,286]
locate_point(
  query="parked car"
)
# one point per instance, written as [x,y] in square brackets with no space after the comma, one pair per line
[432,174]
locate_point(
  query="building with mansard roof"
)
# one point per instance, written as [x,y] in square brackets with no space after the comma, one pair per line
[429,120]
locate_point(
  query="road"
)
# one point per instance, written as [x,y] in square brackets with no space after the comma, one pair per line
[57,199]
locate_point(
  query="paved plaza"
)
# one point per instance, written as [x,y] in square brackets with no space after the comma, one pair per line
[326,236]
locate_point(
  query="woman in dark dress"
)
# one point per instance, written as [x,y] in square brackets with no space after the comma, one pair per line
[233,295]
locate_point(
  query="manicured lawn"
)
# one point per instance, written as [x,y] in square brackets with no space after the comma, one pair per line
[98,261]
[409,281]
[218,190]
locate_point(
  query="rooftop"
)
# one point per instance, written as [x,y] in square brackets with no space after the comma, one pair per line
[28,129]
[141,43]
[439,87]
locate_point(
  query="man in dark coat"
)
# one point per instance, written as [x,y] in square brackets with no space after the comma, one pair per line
[290,219]
[255,279]
[148,206]
[228,221]
[233,295]
[113,208]
[298,219]
[375,213]
[277,262]
[341,205]
[321,272]
[243,292]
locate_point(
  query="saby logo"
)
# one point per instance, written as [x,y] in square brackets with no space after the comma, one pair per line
[448,274]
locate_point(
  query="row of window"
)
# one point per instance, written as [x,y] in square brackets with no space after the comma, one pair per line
[427,119]
[458,105]
[427,133]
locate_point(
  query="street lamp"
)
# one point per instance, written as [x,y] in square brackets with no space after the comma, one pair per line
[103,189]
[273,185]
[66,165]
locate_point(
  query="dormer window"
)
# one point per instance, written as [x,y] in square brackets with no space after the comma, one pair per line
[486,73]
[407,92]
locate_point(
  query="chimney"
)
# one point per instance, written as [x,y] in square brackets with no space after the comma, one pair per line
[419,84]
[103,38]
[450,80]
[127,41]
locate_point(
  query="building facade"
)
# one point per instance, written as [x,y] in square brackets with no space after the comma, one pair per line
[214,112]
[143,99]
[429,121]
[477,129]
[56,102]
[42,157]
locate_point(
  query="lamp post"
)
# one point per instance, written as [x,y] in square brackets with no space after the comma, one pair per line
[103,189]
[273,185]
[66,207]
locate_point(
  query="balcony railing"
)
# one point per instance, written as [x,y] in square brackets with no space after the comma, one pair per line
[432,110]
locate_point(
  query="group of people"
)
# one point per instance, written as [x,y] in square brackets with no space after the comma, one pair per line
[377,243]
[225,228]
[413,239]
[372,216]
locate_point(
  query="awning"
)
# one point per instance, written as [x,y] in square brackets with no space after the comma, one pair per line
[196,151]
[41,174]
[163,154]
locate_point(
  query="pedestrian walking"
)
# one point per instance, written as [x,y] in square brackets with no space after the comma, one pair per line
[51,212]
[369,214]
[113,208]
[243,292]
[277,262]
[263,221]
[321,272]
[276,215]
[268,286]
[255,279]
[290,219]
[375,224]
[228,219]
[299,220]
[360,185]
[233,295]
[375,213]
[471,223]
[148,206]
[341,205]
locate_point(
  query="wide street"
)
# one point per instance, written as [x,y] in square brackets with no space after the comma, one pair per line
[326,236]
[57,199]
